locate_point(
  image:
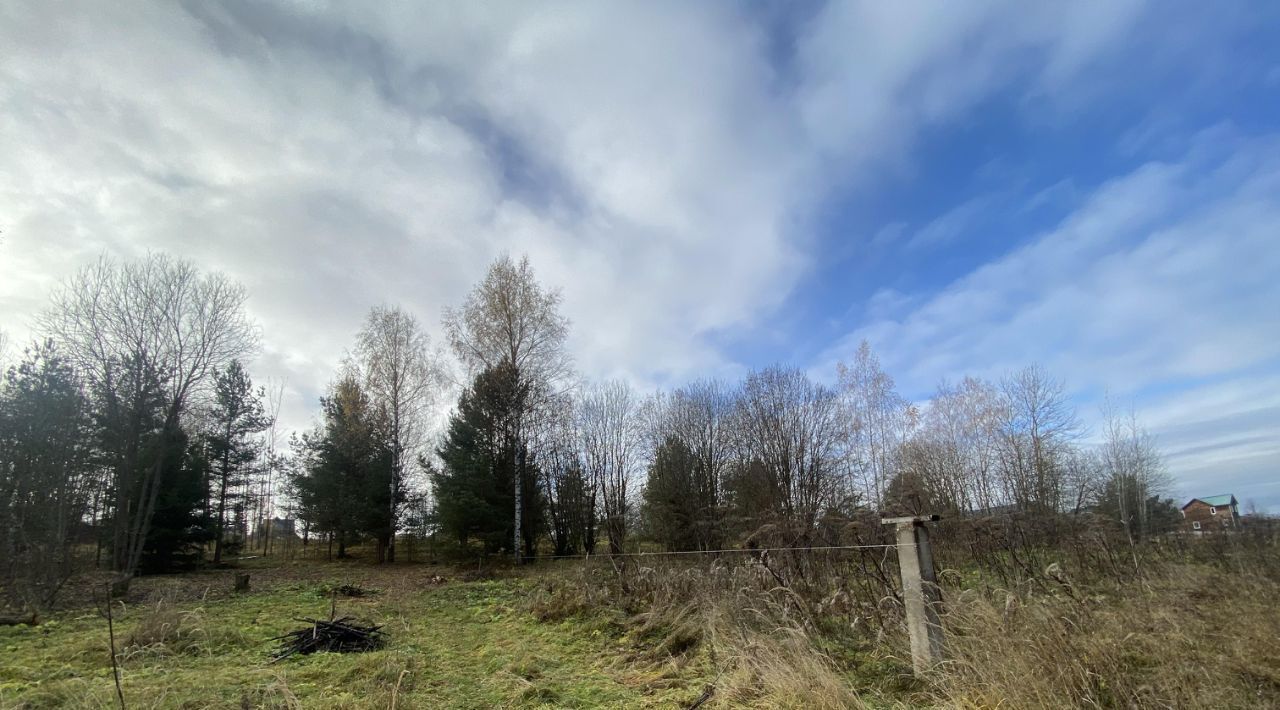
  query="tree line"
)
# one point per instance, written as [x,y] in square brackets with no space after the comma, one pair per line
[532,454]
[132,437]
[707,465]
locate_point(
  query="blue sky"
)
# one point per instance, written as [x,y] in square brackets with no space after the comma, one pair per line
[972,187]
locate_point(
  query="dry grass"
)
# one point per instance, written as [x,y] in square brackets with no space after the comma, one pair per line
[751,636]
[1171,624]
[1189,636]
[168,631]
[1185,625]
[451,645]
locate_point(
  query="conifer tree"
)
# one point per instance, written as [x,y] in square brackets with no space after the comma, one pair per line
[344,474]
[670,497]
[237,415]
[474,490]
[45,474]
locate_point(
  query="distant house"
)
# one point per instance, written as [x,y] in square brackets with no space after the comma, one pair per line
[282,528]
[1215,513]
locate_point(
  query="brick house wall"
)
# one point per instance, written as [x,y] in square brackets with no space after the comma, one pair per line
[1200,517]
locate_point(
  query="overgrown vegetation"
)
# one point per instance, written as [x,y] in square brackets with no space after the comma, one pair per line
[1102,623]
[1089,621]
[1183,637]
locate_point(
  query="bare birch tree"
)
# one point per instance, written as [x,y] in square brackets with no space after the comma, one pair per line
[269,465]
[957,444]
[699,415]
[1038,434]
[1083,479]
[1134,468]
[796,430]
[401,376]
[570,494]
[609,420]
[882,419]
[509,317]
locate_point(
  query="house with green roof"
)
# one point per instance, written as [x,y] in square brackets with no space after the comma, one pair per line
[1211,514]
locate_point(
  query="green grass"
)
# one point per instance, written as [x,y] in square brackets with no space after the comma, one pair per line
[1185,635]
[459,645]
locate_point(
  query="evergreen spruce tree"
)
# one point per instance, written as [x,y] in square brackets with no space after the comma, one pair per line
[345,467]
[46,470]
[474,490]
[670,498]
[179,530]
[237,415]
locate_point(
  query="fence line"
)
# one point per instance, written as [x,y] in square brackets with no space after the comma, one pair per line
[713,552]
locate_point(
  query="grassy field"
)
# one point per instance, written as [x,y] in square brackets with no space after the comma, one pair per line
[1189,635]
[452,644]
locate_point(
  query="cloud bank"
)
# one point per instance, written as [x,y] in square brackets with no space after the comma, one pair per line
[661,163]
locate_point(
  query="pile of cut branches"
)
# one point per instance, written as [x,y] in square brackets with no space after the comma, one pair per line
[339,636]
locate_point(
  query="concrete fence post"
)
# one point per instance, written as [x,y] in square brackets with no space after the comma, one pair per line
[920,593]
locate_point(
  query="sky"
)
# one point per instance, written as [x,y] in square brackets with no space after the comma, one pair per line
[713,186]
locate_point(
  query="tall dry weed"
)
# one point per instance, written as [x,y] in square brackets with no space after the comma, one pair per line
[756,636]
[1067,614]
[1187,636]
[167,631]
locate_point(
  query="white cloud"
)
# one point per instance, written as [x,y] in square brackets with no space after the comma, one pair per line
[877,71]
[655,160]
[951,224]
[1164,278]
[332,157]
[331,163]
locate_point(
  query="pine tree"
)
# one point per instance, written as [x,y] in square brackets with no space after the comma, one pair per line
[45,474]
[127,412]
[237,415]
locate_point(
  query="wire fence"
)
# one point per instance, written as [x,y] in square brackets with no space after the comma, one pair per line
[730,550]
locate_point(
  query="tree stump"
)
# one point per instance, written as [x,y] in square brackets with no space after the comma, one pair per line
[30,619]
[120,587]
[242,582]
